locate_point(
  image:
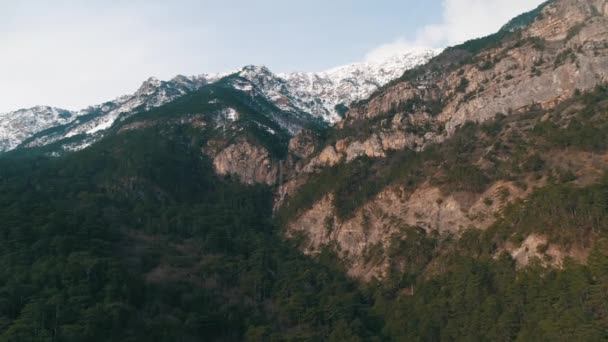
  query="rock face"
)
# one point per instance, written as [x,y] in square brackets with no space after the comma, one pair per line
[304,144]
[553,256]
[372,147]
[564,51]
[250,163]
[376,146]
[562,17]
[377,222]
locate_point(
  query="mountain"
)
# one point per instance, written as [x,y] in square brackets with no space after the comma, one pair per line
[322,95]
[22,124]
[90,123]
[452,143]
[466,200]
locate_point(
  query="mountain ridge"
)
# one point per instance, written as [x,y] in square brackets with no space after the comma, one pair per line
[452,143]
[314,93]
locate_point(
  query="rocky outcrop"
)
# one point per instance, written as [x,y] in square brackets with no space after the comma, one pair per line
[375,223]
[372,148]
[560,18]
[376,146]
[540,67]
[327,158]
[252,164]
[561,52]
[537,248]
[304,144]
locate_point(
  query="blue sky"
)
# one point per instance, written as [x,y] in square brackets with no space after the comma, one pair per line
[71,54]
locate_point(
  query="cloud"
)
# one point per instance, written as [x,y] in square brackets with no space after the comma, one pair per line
[384,51]
[461,20]
[73,55]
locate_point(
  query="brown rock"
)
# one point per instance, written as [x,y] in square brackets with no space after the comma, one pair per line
[250,163]
[304,144]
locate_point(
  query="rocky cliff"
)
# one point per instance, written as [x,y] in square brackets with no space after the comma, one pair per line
[506,85]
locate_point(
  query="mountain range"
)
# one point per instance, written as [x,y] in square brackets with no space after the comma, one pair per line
[320,94]
[455,195]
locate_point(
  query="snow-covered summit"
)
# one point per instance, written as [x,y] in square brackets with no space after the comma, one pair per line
[353,82]
[320,93]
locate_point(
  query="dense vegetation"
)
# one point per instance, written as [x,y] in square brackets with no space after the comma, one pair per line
[99,246]
[486,299]
[136,239]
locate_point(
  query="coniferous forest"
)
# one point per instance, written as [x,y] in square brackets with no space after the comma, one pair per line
[466,200]
[136,238]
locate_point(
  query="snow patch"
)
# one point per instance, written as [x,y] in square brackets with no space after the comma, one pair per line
[230,114]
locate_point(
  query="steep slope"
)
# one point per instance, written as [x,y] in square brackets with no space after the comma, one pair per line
[451,144]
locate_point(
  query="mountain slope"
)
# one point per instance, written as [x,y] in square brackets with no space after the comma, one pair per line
[448,146]
[347,84]
[138,238]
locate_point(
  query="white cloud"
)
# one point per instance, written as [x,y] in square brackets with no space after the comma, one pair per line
[461,20]
[76,56]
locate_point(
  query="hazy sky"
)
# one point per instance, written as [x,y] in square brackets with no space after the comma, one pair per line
[74,53]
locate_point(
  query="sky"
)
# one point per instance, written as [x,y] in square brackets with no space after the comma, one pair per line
[73,53]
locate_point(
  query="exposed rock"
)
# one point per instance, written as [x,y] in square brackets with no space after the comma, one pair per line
[571,55]
[250,163]
[327,158]
[562,52]
[560,17]
[376,222]
[304,144]
[137,126]
[536,247]
[372,148]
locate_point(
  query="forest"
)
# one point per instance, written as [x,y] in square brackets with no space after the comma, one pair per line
[137,239]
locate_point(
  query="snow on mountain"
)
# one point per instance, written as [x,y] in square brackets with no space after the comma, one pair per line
[320,92]
[316,93]
[153,93]
[19,125]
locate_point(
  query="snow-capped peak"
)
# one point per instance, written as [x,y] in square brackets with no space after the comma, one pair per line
[349,83]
